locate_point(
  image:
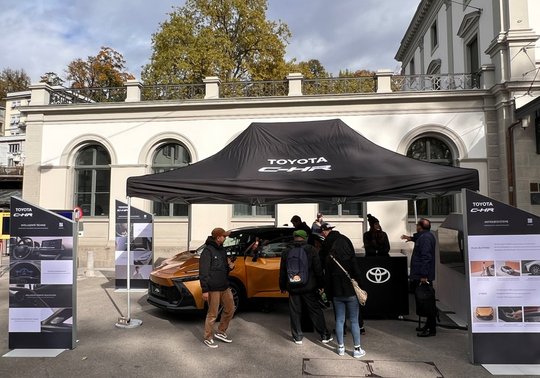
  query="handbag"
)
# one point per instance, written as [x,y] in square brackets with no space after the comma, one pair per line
[424,296]
[361,294]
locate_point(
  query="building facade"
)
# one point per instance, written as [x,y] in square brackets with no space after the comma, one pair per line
[449,106]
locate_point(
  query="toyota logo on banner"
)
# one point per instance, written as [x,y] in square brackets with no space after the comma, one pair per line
[378,275]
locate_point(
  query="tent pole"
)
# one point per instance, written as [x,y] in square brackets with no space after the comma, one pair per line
[128,259]
[127,322]
[415,213]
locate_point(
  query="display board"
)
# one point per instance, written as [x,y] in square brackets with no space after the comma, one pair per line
[503,269]
[42,279]
[141,247]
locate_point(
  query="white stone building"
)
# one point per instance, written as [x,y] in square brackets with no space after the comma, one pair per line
[80,151]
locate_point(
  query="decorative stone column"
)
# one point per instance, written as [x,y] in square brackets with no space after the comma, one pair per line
[384,81]
[211,87]
[133,90]
[295,83]
[487,77]
[40,94]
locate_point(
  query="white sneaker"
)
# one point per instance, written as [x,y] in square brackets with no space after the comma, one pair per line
[358,352]
[223,337]
[341,350]
[210,343]
[299,342]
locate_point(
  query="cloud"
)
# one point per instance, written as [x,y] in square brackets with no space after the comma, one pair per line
[45,35]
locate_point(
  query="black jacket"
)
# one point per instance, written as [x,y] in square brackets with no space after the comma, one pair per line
[337,284]
[376,243]
[315,280]
[328,244]
[213,267]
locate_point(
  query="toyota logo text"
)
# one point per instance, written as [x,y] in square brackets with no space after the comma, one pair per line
[378,275]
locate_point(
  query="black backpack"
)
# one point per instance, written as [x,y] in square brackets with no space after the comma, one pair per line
[297,267]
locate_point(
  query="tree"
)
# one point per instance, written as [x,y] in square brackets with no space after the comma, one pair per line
[51,78]
[312,69]
[105,70]
[12,81]
[231,39]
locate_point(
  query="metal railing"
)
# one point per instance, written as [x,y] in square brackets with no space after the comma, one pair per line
[11,171]
[273,88]
[234,89]
[87,95]
[437,82]
[340,85]
[173,92]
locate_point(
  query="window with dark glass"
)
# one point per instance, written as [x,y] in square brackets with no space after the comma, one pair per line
[246,210]
[434,36]
[340,209]
[167,157]
[93,180]
[436,151]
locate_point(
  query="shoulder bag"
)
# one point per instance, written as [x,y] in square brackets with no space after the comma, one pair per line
[360,293]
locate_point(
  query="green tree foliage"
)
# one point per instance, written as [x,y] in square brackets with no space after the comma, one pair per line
[311,69]
[106,69]
[12,81]
[51,78]
[231,39]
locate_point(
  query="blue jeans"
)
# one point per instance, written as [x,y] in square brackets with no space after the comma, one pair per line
[352,307]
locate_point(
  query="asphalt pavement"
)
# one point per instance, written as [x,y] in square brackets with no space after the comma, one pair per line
[170,345]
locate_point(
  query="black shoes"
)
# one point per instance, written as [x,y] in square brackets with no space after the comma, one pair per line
[426,333]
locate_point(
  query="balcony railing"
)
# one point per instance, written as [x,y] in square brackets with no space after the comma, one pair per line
[295,85]
[438,82]
[253,89]
[173,92]
[11,171]
[87,95]
[340,85]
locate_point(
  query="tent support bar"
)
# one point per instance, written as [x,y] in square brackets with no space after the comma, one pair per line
[415,213]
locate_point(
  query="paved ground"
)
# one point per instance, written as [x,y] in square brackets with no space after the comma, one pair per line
[169,345]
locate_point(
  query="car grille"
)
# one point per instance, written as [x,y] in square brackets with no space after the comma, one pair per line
[168,293]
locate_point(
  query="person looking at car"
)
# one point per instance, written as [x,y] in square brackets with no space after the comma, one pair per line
[214,268]
[422,270]
[316,226]
[298,224]
[300,274]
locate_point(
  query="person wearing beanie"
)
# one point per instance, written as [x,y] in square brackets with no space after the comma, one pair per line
[376,240]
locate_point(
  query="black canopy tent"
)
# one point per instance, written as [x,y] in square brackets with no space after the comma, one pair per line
[299,162]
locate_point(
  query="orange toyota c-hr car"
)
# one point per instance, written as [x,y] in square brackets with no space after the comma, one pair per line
[174,285]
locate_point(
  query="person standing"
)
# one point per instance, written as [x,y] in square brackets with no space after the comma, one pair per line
[339,289]
[334,240]
[316,226]
[300,274]
[422,270]
[298,224]
[376,240]
[214,268]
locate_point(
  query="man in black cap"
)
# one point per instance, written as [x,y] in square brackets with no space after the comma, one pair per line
[376,240]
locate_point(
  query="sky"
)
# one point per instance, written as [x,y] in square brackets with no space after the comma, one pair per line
[46,35]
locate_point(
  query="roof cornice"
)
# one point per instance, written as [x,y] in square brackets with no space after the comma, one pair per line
[410,34]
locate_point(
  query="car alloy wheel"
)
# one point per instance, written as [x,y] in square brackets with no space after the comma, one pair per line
[535,270]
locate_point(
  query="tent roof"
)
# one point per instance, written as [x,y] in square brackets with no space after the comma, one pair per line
[294,162]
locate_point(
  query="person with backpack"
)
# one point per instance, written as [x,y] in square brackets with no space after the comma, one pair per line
[340,265]
[300,274]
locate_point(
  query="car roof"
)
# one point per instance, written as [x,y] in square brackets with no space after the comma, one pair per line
[260,228]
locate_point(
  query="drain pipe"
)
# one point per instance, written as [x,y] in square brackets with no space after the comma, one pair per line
[511,163]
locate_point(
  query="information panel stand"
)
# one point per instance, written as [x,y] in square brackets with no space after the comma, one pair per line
[502,247]
[42,279]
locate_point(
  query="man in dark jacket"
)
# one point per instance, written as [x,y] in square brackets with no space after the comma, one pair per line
[306,293]
[214,268]
[423,267]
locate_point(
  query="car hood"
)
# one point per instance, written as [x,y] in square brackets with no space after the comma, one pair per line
[174,268]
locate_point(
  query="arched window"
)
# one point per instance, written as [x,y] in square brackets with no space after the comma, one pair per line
[93,180]
[436,151]
[168,156]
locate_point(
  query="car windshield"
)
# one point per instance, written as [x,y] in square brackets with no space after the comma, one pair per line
[229,243]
